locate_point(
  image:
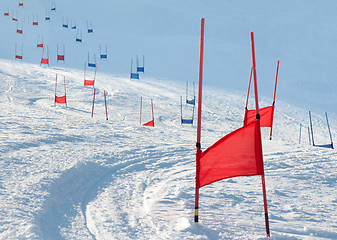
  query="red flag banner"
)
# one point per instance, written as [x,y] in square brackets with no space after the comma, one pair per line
[89,82]
[236,154]
[266,114]
[149,124]
[62,99]
[44,61]
[60,57]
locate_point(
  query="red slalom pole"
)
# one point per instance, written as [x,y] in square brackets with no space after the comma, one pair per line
[250,80]
[106,106]
[85,70]
[65,90]
[259,133]
[271,128]
[55,90]
[198,145]
[152,111]
[93,103]
[246,108]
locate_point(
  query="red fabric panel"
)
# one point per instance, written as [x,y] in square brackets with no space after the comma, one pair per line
[45,61]
[266,113]
[14,19]
[62,99]
[20,4]
[19,31]
[18,57]
[35,23]
[6,14]
[40,45]
[60,57]
[236,154]
[89,82]
[149,124]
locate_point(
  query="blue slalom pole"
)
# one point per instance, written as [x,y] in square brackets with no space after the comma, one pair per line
[327,121]
[312,132]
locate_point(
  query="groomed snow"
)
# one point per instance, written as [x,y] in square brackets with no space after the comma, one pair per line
[66,175]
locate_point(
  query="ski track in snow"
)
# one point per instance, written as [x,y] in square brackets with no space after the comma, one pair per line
[67,176]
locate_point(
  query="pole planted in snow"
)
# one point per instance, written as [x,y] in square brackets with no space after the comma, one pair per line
[327,121]
[93,103]
[259,132]
[198,145]
[312,132]
[271,127]
[106,106]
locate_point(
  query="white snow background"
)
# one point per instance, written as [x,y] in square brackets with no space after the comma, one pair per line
[65,175]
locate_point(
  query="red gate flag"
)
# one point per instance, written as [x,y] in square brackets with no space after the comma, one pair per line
[149,124]
[62,99]
[266,114]
[89,82]
[45,60]
[236,154]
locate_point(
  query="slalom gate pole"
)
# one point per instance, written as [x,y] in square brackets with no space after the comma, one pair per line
[141,104]
[246,108]
[271,128]
[250,80]
[95,72]
[181,110]
[85,69]
[259,132]
[193,114]
[312,132]
[327,121]
[93,103]
[65,90]
[198,145]
[194,92]
[131,69]
[152,111]
[186,91]
[106,106]
[309,136]
[55,90]
[299,138]
[42,55]
[48,54]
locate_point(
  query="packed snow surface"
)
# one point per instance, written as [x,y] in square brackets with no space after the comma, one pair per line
[67,175]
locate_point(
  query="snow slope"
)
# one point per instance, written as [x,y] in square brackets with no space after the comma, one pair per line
[65,175]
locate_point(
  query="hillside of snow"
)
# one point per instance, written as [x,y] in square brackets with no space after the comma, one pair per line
[67,175]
